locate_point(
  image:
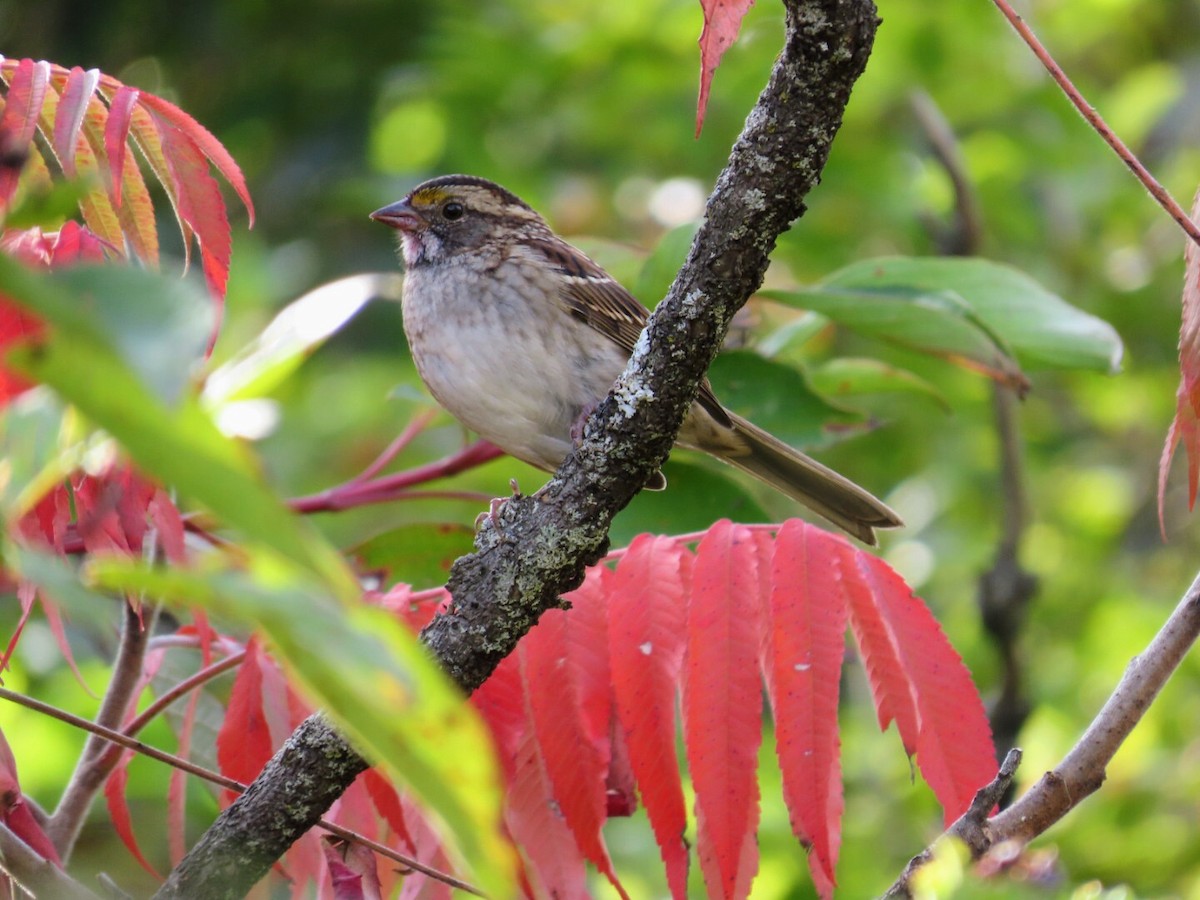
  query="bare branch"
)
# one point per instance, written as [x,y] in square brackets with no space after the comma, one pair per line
[92,769]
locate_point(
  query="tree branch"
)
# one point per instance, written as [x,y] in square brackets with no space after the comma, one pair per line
[1083,769]
[539,547]
[94,765]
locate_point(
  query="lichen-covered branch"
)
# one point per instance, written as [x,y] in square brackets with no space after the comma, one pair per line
[538,547]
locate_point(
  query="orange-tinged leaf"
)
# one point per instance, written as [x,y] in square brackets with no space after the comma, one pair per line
[952,739]
[722,21]
[209,146]
[576,760]
[116,134]
[23,104]
[198,201]
[807,640]
[1185,427]
[722,707]
[647,627]
[68,118]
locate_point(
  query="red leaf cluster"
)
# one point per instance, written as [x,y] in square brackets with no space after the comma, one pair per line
[589,701]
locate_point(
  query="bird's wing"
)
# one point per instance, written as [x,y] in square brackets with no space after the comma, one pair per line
[598,300]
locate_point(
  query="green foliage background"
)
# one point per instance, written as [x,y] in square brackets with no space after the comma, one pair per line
[585,108]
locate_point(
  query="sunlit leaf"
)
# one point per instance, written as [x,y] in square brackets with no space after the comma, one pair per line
[393,700]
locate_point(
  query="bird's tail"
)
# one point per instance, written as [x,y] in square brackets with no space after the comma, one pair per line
[805,480]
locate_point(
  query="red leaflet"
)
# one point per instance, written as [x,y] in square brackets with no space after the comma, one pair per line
[23,103]
[1186,424]
[244,742]
[806,645]
[952,739]
[536,826]
[116,135]
[352,870]
[722,707]
[587,657]
[576,760]
[198,202]
[722,20]
[387,804]
[647,627]
[14,811]
[118,811]
[501,702]
[209,145]
[16,326]
[68,118]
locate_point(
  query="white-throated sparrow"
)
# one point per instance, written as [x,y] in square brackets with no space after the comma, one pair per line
[518,334]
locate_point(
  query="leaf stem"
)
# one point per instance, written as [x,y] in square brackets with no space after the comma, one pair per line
[1093,118]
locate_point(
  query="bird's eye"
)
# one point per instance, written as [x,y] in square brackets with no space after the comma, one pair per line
[453,210]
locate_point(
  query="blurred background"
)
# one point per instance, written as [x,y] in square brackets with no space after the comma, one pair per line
[586,109]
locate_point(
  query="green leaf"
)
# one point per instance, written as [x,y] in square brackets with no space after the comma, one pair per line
[935,321]
[419,554]
[35,453]
[292,336]
[981,311]
[664,263]
[371,675]
[179,445]
[852,378]
[159,326]
[777,397]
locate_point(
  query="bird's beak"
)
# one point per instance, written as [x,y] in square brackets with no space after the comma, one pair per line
[400,215]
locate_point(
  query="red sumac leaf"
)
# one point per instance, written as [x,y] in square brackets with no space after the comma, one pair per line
[22,106]
[929,690]
[1185,426]
[722,21]
[116,134]
[118,812]
[68,118]
[576,760]
[647,631]
[722,707]
[244,742]
[14,811]
[198,201]
[539,829]
[805,649]
[387,804]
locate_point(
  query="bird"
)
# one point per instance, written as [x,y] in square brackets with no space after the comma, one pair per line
[518,335]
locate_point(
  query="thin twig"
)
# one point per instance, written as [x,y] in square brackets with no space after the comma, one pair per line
[90,771]
[406,437]
[178,762]
[1157,191]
